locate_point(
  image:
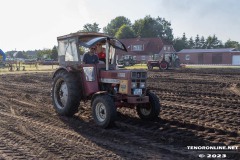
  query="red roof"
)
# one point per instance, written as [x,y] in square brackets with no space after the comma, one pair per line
[150,45]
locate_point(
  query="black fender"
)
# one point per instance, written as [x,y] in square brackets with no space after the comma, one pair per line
[68,69]
[96,94]
[59,70]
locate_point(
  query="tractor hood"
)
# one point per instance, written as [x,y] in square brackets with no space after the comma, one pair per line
[130,81]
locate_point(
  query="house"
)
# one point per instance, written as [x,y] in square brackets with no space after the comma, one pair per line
[144,49]
[225,56]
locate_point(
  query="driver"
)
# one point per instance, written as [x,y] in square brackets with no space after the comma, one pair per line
[90,57]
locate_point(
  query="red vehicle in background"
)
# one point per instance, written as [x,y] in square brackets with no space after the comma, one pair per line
[167,60]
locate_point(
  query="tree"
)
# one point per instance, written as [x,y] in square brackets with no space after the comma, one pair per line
[125,32]
[54,54]
[184,41]
[220,44]
[153,27]
[146,27]
[167,30]
[25,55]
[45,53]
[82,50]
[191,43]
[202,43]
[90,27]
[112,27]
[213,42]
[20,54]
[232,44]
[197,43]
[178,44]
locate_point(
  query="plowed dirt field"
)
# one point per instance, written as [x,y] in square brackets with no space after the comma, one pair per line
[200,107]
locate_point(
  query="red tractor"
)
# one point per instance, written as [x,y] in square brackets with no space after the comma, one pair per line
[167,60]
[103,84]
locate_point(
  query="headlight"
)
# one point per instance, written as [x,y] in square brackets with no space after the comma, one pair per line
[142,84]
[134,85]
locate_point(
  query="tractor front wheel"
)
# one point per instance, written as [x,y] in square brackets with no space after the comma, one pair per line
[163,65]
[104,111]
[151,110]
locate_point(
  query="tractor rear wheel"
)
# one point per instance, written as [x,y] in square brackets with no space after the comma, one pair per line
[104,111]
[127,63]
[163,65]
[177,63]
[65,93]
[151,110]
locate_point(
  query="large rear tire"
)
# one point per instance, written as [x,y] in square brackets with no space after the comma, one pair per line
[177,63]
[163,65]
[151,110]
[65,93]
[127,63]
[104,111]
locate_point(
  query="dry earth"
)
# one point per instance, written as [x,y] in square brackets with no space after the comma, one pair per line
[200,107]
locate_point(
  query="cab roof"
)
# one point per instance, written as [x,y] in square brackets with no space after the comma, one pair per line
[88,39]
[81,35]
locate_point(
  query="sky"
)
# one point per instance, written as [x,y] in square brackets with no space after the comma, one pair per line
[36,24]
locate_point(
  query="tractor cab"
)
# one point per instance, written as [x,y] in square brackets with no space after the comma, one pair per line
[70,52]
[103,84]
[71,47]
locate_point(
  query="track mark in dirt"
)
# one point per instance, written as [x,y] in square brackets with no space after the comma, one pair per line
[45,137]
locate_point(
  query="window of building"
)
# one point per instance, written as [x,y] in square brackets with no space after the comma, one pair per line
[164,48]
[169,48]
[137,47]
[187,57]
[143,58]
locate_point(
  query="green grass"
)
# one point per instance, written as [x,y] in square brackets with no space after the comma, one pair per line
[47,68]
[29,68]
[137,66]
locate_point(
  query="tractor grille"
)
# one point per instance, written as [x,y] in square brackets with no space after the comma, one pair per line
[138,86]
[139,75]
